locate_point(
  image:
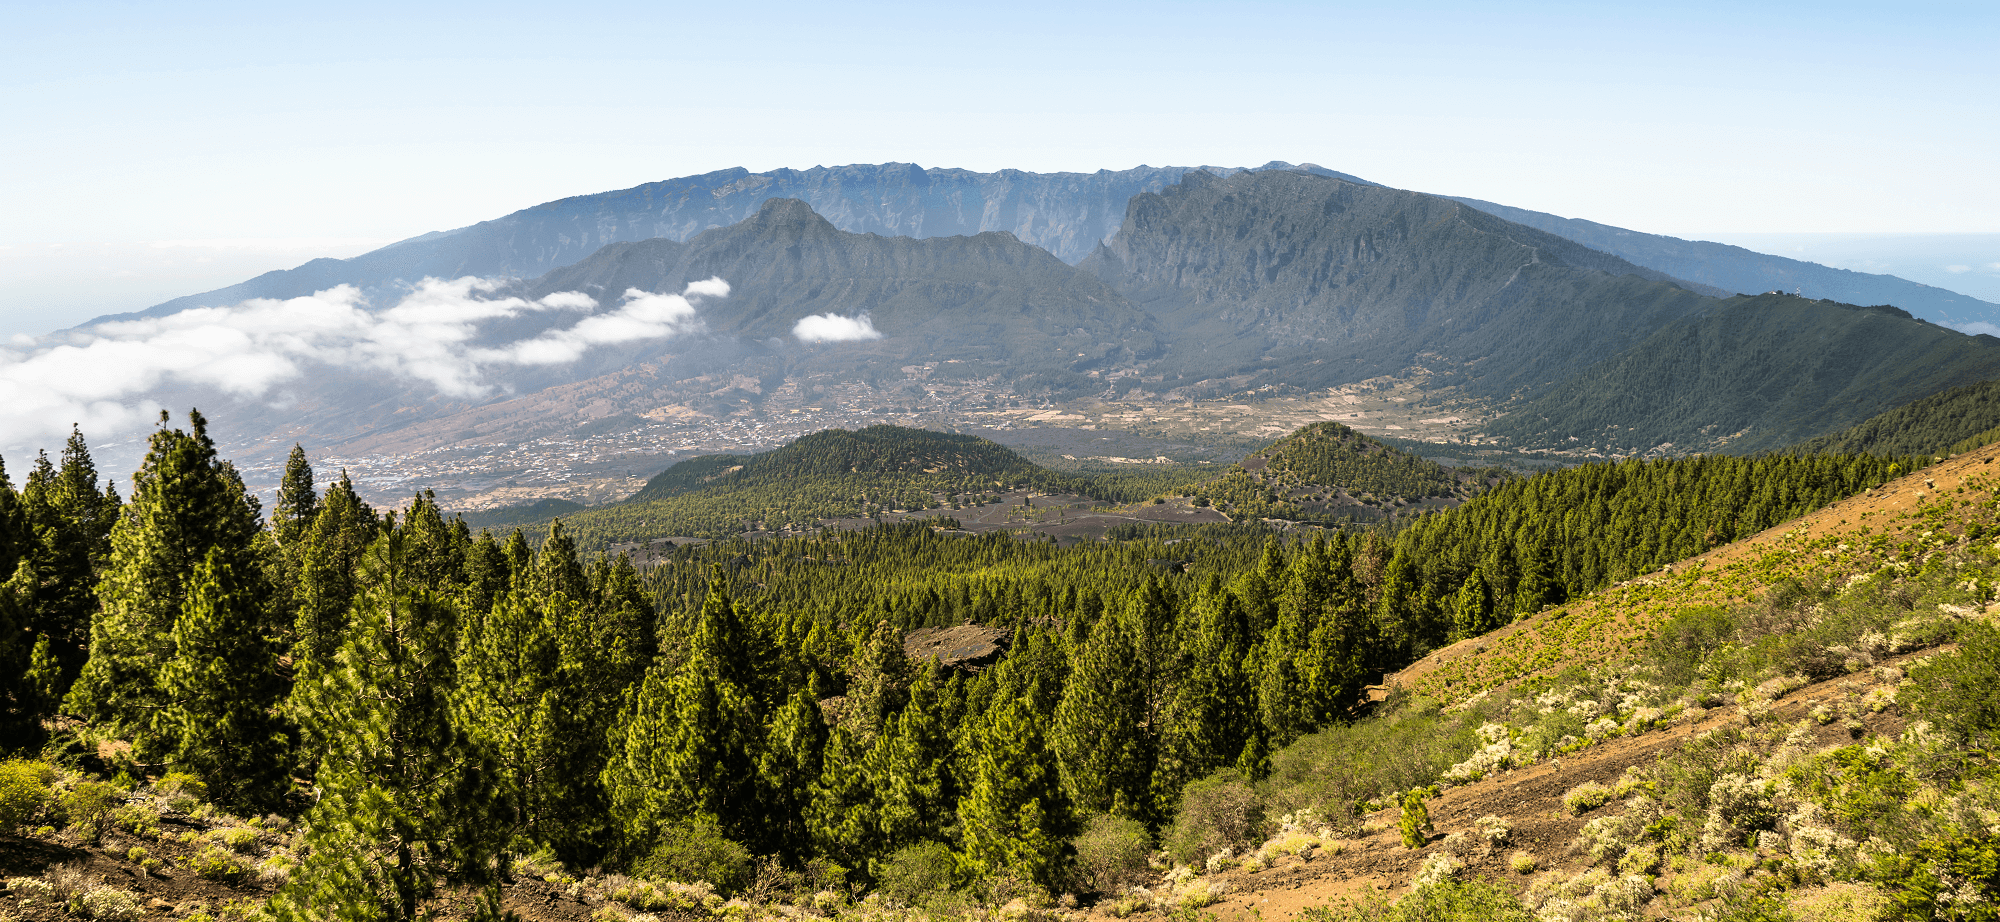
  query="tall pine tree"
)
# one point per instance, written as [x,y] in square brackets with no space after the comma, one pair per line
[221,690]
[406,801]
[185,503]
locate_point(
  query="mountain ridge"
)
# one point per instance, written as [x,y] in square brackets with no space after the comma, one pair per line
[1738,270]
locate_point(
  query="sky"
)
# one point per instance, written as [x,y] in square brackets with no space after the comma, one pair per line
[157,150]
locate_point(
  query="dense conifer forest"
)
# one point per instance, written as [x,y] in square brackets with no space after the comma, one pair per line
[439,708]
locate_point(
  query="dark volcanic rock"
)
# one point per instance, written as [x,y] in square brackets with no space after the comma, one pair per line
[967,646]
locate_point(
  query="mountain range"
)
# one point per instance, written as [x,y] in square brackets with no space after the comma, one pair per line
[1068,214]
[1274,281]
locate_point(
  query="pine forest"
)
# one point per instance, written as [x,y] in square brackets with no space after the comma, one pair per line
[332,711]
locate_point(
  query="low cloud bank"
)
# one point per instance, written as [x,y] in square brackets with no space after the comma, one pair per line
[100,377]
[833,328]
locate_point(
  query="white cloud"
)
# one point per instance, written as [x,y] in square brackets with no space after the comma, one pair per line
[100,376]
[833,328]
[1957,269]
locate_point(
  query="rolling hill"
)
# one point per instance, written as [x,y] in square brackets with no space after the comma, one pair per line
[1329,473]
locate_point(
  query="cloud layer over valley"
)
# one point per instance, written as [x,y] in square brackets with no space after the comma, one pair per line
[102,377]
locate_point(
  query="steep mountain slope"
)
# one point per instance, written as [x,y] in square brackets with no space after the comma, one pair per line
[1737,270]
[986,299]
[1065,213]
[1313,281]
[1944,422]
[1753,373]
[979,306]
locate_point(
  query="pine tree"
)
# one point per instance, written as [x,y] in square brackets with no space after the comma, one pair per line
[406,801]
[326,556]
[298,500]
[1099,730]
[842,819]
[790,766]
[508,698]
[185,503]
[1014,817]
[880,683]
[71,520]
[910,770]
[221,690]
[688,745]
[1206,721]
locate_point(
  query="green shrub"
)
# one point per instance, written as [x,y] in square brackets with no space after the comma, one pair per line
[88,806]
[110,904]
[917,873]
[1111,853]
[1586,797]
[1446,900]
[1960,691]
[696,852]
[1217,812]
[239,839]
[1415,823]
[24,791]
[139,819]
[220,866]
[176,783]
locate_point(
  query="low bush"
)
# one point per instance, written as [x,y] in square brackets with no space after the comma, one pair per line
[1960,691]
[1221,811]
[1415,822]
[917,873]
[220,866]
[1111,853]
[24,791]
[87,807]
[1443,901]
[698,852]
[239,839]
[1586,797]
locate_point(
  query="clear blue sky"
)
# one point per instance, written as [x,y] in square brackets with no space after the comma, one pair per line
[147,138]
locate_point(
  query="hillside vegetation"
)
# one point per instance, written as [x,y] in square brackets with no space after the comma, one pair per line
[1944,423]
[830,474]
[1329,473]
[1751,374]
[424,721]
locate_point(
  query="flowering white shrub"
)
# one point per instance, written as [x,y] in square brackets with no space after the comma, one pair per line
[1436,870]
[1586,797]
[1496,752]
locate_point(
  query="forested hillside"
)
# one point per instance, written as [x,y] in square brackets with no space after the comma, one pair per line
[437,710]
[830,474]
[1947,422]
[1752,374]
[1329,473]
